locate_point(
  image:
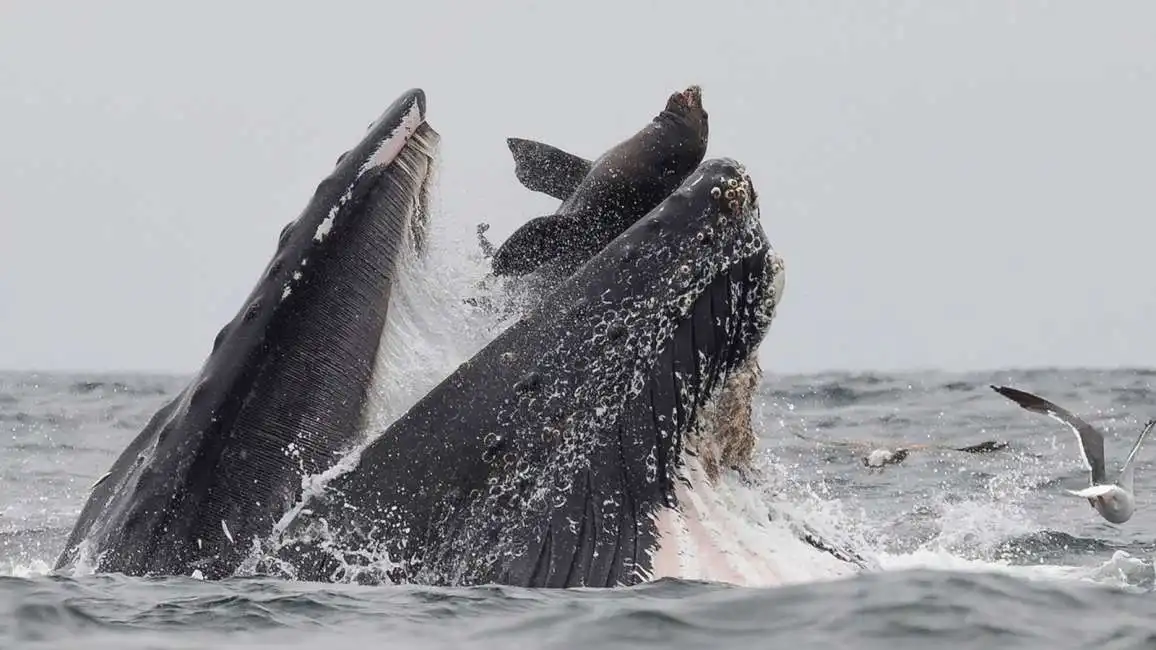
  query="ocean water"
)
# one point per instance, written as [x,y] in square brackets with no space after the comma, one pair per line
[974,551]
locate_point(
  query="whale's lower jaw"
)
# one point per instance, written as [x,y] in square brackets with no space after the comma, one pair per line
[720,531]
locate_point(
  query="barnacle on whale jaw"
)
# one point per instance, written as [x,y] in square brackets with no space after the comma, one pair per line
[734,193]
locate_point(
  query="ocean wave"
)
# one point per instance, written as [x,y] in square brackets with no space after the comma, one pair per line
[912,608]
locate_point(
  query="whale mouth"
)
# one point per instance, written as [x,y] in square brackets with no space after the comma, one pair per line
[542,460]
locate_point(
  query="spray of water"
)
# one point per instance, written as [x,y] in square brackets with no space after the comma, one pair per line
[946,528]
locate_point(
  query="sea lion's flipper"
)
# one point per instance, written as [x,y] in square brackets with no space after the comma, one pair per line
[1125,480]
[546,169]
[537,241]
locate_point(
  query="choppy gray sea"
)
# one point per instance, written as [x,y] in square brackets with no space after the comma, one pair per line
[976,551]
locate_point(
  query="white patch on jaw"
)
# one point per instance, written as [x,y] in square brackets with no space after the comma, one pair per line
[327,223]
[385,153]
[391,146]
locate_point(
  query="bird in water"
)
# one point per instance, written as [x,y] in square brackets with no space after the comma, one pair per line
[1114,501]
[877,456]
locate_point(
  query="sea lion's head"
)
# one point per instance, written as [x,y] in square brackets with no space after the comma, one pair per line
[686,107]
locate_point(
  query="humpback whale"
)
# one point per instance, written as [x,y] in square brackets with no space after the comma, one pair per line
[569,451]
[601,199]
[284,390]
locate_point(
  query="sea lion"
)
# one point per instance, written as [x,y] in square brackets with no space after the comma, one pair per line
[601,199]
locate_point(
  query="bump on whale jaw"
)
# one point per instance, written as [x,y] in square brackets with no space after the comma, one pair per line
[285,385]
[546,459]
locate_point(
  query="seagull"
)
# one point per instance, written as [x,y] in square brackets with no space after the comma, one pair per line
[1114,501]
[876,456]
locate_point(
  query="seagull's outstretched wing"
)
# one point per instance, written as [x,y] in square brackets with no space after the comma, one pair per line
[1094,491]
[1091,440]
[1125,480]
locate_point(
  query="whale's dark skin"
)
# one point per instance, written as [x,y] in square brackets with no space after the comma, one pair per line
[543,460]
[601,199]
[282,393]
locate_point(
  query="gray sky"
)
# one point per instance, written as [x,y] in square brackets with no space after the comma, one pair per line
[953,185]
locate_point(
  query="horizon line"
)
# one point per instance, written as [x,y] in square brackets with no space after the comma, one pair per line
[766,372]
